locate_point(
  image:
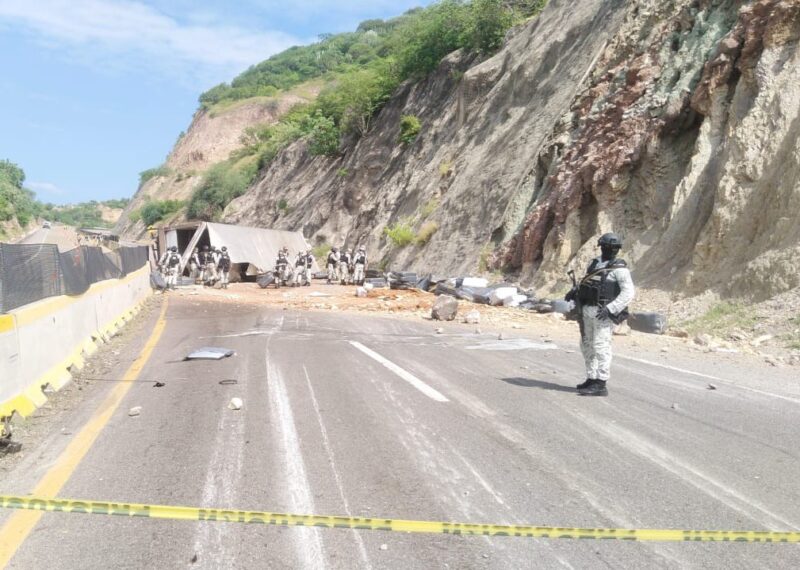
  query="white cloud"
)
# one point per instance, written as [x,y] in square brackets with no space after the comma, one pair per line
[99,30]
[46,187]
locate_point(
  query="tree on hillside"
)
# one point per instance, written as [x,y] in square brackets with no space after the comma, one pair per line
[12,173]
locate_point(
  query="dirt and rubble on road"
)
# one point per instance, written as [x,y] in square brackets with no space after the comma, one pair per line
[417,305]
[103,368]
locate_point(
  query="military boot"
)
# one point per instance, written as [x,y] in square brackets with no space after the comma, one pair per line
[595,388]
[585,384]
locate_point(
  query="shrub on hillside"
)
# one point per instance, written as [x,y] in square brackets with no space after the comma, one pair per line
[400,234]
[221,183]
[156,210]
[426,232]
[409,128]
[323,135]
[150,173]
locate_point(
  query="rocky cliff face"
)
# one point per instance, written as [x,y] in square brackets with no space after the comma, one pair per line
[672,122]
[684,138]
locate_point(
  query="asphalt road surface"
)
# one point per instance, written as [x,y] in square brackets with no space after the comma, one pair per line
[365,416]
[62,236]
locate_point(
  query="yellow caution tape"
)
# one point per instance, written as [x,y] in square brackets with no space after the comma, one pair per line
[397,525]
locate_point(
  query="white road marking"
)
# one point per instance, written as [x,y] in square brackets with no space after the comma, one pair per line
[220,489]
[710,377]
[513,344]
[307,541]
[326,443]
[687,472]
[432,393]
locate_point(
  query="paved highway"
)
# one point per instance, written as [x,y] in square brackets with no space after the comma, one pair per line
[62,236]
[358,415]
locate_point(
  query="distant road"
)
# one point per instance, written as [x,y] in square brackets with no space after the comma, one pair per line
[62,236]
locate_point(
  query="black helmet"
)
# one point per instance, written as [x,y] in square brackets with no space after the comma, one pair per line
[334,249]
[610,239]
[224,248]
[174,248]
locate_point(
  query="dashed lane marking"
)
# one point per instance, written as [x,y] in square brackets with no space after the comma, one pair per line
[432,393]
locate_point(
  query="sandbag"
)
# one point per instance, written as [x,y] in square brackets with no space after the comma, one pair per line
[157,281]
[500,294]
[376,282]
[265,279]
[514,300]
[475,282]
[653,323]
[444,288]
[560,306]
[372,274]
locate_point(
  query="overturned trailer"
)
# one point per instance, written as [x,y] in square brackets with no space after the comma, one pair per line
[252,250]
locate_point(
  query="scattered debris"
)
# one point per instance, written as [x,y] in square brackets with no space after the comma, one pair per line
[445,308]
[361,292]
[7,447]
[674,406]
[497,296]
[135,411]
[703,339]
[159,385]
[319,294]
[758,341]
[384,547]
[209,353]
[472,318]
[653,323]
[439,331]
[500,336]
[228,382]
[711,387]
[664,349]
[678,333]
[193,559]
[235,404]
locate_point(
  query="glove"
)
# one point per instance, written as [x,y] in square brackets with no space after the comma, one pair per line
[604,314]
[570,296]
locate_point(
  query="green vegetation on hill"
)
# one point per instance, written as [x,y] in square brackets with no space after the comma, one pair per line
[360,71]
[18,202]
[155,210]
[15,200]
[413,43]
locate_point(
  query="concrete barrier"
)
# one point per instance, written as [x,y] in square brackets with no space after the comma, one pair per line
[42,342]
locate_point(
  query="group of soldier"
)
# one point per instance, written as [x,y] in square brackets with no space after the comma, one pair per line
[346,267]
[296,274]
[208,266]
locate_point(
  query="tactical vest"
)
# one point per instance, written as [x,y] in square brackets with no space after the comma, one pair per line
[361,259]
[174,259]
[332,259]
[596,289]
[224,262]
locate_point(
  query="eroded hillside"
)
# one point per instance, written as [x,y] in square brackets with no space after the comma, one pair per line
[673,122]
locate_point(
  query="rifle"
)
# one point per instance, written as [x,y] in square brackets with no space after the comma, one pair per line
[573,296]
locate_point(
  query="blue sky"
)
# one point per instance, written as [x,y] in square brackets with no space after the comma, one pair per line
[94,91]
